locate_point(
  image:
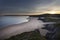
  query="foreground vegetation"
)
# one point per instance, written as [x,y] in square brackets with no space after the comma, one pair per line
[33,35]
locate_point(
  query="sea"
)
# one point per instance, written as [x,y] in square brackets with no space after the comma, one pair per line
[10,20]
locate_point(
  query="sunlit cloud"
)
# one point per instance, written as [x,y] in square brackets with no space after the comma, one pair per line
[28,6]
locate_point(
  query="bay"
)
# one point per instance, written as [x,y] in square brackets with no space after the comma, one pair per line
[10,20]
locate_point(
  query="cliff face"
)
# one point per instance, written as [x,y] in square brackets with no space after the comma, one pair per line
[54,29]
[32,35]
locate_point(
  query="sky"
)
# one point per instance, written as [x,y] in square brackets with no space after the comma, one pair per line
[19,6]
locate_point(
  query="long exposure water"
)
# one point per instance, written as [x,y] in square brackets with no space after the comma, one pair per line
[9,20]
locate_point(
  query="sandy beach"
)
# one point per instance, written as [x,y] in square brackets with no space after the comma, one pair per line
[15,29]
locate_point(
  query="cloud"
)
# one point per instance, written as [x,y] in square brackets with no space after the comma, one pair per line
[19,6]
